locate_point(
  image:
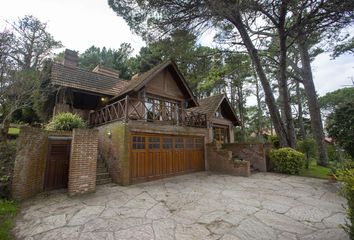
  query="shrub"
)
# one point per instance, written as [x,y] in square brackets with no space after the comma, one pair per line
[347,177]
[308,148]
[274,140]
[287,160]
[66,122]
[333,155]
[7,160]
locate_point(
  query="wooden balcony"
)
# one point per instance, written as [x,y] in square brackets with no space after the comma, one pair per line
[133,109]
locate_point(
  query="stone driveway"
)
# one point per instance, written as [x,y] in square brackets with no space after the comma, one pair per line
[195,206]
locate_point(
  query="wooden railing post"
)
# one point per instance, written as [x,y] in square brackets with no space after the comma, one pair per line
[126,110]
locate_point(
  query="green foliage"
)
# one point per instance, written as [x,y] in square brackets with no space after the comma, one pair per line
[66,122]
[287,160]
[7,160]
[335,98]
[340,126]
[333,155]
[307,147]
[274,140]
[344,47]
[112,58]
[8,210]
[14,131]
[347,177]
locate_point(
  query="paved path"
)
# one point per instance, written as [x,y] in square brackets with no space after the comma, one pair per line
[195,206]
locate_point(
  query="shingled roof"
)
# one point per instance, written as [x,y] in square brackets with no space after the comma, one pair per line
[140,80]
[85,80]
[210,104]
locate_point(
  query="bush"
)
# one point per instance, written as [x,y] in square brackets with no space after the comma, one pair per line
[7,160]
[347,177]
[274,140]
[287,160]
[308,148]
[66,122]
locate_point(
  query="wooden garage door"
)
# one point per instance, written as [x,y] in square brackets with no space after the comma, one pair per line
[158,156]
[57,166]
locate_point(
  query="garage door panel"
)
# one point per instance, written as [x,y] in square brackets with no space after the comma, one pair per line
[157,156]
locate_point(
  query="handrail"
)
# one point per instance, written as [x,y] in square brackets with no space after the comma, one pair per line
[134,109]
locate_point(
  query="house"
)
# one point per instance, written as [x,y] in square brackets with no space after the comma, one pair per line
[151,126]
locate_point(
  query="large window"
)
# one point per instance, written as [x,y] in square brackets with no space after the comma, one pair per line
[161,109]
[138,142]
[220,134]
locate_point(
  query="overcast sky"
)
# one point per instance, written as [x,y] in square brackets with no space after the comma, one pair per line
[79,24]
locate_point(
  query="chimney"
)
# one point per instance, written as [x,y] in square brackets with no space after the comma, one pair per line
[106,71]
[70,58]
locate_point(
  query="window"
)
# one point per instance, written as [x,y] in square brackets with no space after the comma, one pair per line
[179,143]
[220,134]
[167,143]
[154,143]
[189,143]
[138,142]
[158,109]
[199,143]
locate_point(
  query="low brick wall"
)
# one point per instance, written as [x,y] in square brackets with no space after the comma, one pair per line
[220,160]
[30,162]
[253,152]
[83,161]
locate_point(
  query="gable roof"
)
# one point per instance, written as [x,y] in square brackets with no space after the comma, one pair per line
[84,80]
[211,104]
[141,80]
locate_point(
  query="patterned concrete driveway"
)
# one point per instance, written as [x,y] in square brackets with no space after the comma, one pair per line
[195,206]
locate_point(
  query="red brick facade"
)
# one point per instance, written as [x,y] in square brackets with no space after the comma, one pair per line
[31,159]
[83,162]
[31,156]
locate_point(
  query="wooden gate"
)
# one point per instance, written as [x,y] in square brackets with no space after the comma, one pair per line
[155,156]
[57,166]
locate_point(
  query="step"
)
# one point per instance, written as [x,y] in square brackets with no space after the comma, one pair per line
[101,170]
[103,181]
[102,175]
[101,164]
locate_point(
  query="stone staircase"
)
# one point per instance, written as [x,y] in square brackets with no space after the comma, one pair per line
[102,175]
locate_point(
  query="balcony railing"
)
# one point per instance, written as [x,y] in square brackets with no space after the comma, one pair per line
[133,109]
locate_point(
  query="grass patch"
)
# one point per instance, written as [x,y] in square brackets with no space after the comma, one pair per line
[13,131]
[8,210]
[315,171]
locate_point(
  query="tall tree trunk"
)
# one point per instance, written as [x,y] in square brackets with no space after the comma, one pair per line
[310,91]
[241,111]
[236,19]
[284,94]
[259,108]
[282,78]
[300,115]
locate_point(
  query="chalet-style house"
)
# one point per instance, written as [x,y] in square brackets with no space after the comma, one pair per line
[151,126]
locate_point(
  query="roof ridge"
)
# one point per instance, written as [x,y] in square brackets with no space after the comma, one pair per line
[90,72]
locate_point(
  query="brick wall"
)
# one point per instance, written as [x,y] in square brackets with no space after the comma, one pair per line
[83,161]
[113,149]
[220,160]
[253,152]
[30,162]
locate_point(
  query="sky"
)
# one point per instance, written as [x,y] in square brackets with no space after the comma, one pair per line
[79,24]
